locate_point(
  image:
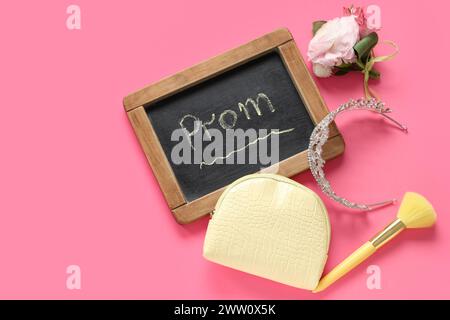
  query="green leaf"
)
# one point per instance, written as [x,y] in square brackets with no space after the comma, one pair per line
[348,67]
[341,72]
[345,66]
[360,64]
[365,45]
[374,74]
[316,26]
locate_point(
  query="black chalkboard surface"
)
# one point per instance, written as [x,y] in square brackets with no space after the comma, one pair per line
[262,90]
[267,82]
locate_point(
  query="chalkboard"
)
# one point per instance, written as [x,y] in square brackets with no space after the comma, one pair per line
[265,78]
[262,87]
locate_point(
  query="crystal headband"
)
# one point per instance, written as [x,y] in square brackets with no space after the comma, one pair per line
[319,137]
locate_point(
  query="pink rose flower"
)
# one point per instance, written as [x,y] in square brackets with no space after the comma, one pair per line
[333,44]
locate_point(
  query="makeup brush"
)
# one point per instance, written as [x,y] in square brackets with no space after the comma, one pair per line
[415,212]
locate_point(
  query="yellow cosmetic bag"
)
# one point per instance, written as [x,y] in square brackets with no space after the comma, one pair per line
[272,227]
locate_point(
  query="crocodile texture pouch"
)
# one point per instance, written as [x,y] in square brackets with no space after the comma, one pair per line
[272,227]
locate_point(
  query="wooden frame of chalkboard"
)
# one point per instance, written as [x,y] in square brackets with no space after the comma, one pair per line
[135,105]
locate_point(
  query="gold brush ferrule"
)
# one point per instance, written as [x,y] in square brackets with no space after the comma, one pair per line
[388,233]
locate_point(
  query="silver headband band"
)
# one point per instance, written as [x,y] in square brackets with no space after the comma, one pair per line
[319,137]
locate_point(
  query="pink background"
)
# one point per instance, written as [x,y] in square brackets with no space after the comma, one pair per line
[75,187]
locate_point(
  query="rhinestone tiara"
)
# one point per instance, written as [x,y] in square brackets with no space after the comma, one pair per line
[320,136]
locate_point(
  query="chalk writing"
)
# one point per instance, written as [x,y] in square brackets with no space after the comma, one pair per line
[222,120]
[243,107]
[227,120]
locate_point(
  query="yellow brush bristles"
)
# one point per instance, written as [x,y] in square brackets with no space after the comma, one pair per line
[416,212]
